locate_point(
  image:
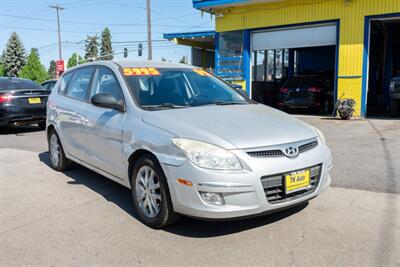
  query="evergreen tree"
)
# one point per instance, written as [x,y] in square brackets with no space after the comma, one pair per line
[2,65]
[14,56]
[72,60]
[34,70]
[52,70]
[91,47]
[106,47]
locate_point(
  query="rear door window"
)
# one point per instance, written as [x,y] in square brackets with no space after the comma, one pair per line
[105,82]
[79,85]
[65,79]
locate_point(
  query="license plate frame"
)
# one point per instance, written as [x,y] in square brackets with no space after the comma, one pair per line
[297,180]
[34,100]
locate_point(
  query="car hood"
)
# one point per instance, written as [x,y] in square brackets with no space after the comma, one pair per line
[232,126]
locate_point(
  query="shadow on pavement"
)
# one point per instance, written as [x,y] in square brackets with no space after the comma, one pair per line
[202,229]
[187,227]
[387,242]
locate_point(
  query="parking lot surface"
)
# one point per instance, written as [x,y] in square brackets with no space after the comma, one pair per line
[80,218]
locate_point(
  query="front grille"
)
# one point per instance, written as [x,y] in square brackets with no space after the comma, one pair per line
[308,146]
[274,188]
[279,153]
[266,153]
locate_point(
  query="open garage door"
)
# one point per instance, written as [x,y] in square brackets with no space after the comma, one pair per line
[294,38]
[294,68]
[383,96]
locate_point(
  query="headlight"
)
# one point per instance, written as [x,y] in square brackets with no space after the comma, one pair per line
[320,135]
[208,156]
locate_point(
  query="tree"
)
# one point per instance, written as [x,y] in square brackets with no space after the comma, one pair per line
[52,70]
[34,69]
[72,62]
[14,56]
[2,65]
[106,50]
[91,47]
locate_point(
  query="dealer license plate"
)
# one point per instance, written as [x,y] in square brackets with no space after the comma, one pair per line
[34,100]
[297,181]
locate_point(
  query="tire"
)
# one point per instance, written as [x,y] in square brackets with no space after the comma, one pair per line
[42,125]
[58,160]
[150,193]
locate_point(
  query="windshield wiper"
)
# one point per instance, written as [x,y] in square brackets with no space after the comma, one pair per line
[163,105]
[225,103]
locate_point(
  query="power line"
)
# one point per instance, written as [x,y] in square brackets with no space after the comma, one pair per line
[68,31]
[96,23]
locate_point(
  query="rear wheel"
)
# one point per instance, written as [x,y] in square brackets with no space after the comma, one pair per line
[42,125]
[150,193]
[58,160]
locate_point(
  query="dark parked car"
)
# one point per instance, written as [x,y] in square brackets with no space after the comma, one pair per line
[22,102]
[49,84]
[314,92]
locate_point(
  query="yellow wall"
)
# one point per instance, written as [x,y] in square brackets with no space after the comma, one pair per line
[351,14]
[241,83]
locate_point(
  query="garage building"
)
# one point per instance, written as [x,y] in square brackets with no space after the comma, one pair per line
[260,43]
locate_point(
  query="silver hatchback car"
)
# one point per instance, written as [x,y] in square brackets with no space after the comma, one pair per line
[184,141]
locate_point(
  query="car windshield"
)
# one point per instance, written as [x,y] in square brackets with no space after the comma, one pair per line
[15,84]
[155,88]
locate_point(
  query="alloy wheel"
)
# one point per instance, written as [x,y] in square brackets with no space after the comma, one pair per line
[148,191]
[54,150]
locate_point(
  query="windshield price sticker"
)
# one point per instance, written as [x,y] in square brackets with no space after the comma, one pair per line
[141,72]
[201,72]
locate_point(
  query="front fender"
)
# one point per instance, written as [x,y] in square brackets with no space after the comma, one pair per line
[153,139]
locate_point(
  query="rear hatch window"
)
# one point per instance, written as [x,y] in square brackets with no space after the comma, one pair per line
[17,84]
[303,81]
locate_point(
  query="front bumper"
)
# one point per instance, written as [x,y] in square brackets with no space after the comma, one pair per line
[242,190]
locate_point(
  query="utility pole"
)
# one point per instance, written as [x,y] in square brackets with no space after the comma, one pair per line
[58,8]
[149,47]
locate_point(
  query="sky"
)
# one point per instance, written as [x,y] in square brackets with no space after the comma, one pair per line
[35,23]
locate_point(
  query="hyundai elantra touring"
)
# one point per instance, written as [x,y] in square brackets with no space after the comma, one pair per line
[184,141]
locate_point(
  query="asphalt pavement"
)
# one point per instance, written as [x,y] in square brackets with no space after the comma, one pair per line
[78,217]
[366,153]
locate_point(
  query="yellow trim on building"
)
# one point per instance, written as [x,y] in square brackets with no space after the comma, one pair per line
[351,14]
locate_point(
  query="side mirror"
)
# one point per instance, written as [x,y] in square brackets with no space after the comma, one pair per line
[106,101]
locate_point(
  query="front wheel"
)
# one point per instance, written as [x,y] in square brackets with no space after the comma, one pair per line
[150,193]
[58,160]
